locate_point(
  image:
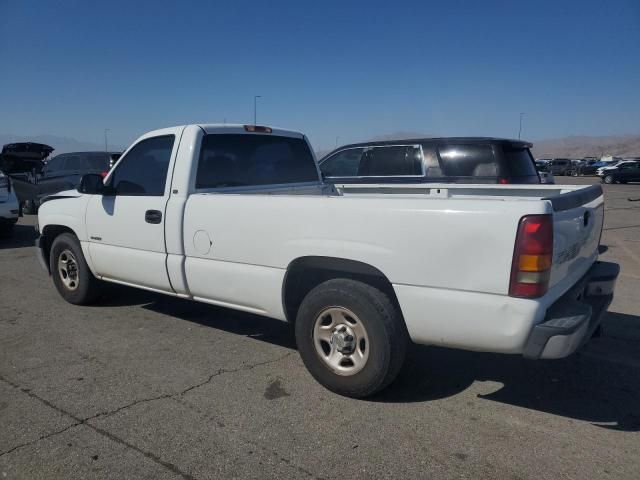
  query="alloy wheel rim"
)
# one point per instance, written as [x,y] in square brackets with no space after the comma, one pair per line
[341,340]
[68,269]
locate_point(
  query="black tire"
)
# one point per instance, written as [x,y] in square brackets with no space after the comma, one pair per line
[608,179]
[385,328]
[86,288]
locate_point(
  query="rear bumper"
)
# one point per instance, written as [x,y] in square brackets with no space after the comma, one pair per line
[572,319]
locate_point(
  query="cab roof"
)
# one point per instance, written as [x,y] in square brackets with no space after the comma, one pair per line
[240,129]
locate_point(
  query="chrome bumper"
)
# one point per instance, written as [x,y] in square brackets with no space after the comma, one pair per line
[571,321]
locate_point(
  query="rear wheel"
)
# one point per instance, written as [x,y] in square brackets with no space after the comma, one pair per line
[351,337]
[71,275]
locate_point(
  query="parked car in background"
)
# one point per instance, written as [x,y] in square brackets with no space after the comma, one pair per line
[453,159]
[601,171]
[64,171]
[113,158]
[9,207]
[560,166]
[588,167]
[23,162]
[544,174]
[24,157]
[542,162]
[624,172]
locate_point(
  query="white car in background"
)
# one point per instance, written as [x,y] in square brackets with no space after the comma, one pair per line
[9,208]
[546,177]
[542,166]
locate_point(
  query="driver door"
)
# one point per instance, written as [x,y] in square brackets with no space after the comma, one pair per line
[126,229]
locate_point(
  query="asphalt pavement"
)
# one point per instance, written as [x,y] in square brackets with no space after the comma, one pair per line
[147,386]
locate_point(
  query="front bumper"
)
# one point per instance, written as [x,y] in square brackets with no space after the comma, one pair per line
[572,319]
[42,259]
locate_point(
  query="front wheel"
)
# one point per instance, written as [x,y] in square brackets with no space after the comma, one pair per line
[351,337]
[71,275]
[608,179]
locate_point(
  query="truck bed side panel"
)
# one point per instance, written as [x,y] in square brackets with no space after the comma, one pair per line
[437,243]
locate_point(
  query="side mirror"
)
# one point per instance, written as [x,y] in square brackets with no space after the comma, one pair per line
[92,184]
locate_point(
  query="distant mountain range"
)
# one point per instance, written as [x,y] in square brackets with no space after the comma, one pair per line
[60,144]
[579,147]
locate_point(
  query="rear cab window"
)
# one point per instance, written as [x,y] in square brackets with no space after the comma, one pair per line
[243,160]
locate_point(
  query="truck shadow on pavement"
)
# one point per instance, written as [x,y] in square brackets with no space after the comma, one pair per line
[259,328]
[598,384]
[22,236]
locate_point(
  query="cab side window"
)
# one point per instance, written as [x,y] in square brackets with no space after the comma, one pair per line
[143,171]
[342,164]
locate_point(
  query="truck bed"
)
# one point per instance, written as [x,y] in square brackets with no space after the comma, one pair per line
[562,197]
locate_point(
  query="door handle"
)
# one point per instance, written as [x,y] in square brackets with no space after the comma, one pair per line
[153,216]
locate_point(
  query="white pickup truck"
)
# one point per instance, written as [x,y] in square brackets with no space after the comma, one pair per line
[238,216]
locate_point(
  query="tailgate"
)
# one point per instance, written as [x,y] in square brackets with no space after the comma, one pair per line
[578,217]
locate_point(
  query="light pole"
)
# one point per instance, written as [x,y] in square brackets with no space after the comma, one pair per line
[255,108]
[337,138]
[106,148]
[520,127]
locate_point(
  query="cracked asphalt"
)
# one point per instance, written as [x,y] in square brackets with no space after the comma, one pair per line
[147,386]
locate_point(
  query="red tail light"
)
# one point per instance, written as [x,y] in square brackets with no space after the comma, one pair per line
[503,181]
[257,128]
[104,174]
[532,257]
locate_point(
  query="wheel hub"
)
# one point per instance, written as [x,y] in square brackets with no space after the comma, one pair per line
[341,340]
[68,269]
[344,339]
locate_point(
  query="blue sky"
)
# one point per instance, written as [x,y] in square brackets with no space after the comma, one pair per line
[346,68]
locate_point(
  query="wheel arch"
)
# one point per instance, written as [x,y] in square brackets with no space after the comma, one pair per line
[305,273]
[48,235]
